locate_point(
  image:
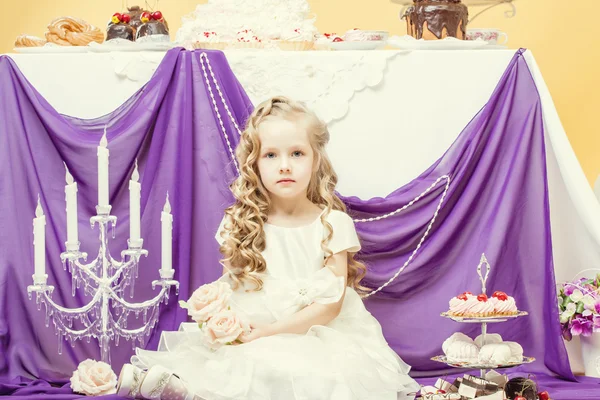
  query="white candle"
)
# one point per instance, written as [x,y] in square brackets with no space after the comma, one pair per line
[71,199]
[167,236]
[103,171]
[39,240]
[135,189]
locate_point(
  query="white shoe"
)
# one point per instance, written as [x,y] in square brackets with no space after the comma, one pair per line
[155,382]
[130,380]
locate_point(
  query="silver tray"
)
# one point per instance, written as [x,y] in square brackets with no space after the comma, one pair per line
[442,359]
[479,320]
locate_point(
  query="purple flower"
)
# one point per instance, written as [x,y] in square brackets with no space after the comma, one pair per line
[582,326]
[597,307]
[566,331]
[569,289]
[596,320]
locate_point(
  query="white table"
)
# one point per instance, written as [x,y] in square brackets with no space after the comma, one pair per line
[391,110]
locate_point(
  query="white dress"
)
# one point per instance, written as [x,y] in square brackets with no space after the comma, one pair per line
[347,359]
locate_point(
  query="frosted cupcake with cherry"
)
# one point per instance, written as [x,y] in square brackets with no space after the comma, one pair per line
[469,305]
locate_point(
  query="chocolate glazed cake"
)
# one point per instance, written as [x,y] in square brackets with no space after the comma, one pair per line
[152,28]
[120,31]
[437,19]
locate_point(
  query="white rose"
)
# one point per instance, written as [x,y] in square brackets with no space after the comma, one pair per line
[207,300]
[223,328]
[94,378]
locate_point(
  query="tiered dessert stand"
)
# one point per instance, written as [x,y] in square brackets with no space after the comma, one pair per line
[483,321]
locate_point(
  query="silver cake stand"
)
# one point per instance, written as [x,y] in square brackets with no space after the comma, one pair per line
[483,321]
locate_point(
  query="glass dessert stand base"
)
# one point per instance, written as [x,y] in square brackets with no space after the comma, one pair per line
[483,321]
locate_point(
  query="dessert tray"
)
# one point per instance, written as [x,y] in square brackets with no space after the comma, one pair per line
[443,359]
[362,45]
[51,49]
[94,47]
[407,42]
[478,320]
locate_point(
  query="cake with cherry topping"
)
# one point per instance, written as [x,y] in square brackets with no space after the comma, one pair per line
[469,305]
[153,25]
[119,28]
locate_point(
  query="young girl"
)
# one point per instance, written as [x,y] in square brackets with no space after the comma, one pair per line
[288,253]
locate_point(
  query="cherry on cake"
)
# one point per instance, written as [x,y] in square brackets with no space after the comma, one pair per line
[469,305]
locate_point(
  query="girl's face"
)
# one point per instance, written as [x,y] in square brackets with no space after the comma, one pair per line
[286,158]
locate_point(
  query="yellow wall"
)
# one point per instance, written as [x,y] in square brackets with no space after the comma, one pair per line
[566,47]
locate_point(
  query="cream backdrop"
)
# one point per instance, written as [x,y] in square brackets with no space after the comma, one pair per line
[566,49]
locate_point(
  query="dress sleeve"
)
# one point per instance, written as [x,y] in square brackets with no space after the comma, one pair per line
[221,229]
[344,233]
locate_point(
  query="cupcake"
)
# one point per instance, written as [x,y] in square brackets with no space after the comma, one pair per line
[323,42]
[296,40]
[247,39]
[210,41]
[462,304]
[504,304]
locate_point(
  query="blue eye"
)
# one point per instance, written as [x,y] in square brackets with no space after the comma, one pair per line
[270,155]
[297,153]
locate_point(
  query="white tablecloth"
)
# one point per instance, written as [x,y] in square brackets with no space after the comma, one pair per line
[391,115]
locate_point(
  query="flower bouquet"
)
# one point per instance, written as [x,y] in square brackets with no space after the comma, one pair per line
[579,306]
[219,324]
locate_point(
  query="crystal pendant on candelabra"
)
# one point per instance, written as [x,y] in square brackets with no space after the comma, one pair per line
[105,279]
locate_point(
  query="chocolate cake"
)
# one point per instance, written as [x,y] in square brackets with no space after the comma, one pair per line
[152,24]
[437,19]
[135,12]
[152,28]
[120,31]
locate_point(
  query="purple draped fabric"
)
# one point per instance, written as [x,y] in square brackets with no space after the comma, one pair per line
[497,204]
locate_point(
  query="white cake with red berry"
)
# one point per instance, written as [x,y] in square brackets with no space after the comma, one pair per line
[219,24]
[469,305]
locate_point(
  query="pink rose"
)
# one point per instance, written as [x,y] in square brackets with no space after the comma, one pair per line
[224,328]
[207,300]
[94,378]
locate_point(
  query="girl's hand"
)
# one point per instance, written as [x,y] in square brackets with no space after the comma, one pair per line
[256,332]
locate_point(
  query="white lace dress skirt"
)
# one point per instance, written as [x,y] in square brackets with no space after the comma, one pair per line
[345,360]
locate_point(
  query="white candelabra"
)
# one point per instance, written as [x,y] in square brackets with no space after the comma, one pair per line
[105,316]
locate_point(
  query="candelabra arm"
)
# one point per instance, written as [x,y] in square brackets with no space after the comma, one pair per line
[137,306]
[77,332]
[123,264]
[80,310]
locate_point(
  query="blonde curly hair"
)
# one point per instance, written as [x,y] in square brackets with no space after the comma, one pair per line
[243,233]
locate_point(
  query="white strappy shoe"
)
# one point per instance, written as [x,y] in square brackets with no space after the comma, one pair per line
[130,380]
[155,382]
